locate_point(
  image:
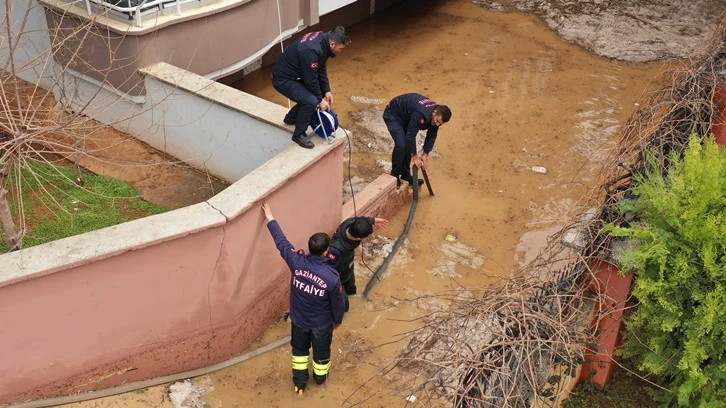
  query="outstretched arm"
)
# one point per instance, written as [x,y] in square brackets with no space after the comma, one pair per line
[375,222]
[380,223]
[287,251]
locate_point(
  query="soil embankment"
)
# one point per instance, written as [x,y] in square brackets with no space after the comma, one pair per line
[626,30]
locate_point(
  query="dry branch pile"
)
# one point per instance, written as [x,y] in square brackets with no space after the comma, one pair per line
[510,346]
[488,349]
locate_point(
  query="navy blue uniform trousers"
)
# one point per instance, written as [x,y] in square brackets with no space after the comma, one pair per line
[321,340]
[400,159]
[305,101]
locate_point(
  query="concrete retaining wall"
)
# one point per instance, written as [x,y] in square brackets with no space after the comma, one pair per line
[170,292]
[204,123]
[379,199]
[183,289]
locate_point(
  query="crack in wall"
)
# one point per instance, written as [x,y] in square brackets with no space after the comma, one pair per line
[211,279]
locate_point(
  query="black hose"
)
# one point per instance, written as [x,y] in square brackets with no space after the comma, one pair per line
[377,275]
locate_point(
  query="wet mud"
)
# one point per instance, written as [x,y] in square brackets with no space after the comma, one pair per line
[626,30]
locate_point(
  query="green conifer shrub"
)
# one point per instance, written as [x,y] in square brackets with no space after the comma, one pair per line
[678,330]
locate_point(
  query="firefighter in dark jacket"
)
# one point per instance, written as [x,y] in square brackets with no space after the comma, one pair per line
[342,248]
[317,303]
[301,74]
[405,115]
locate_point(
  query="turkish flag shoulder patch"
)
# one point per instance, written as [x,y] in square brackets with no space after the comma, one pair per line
[314,65]
[423,121]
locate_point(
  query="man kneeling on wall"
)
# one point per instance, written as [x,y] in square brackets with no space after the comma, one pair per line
[301,74]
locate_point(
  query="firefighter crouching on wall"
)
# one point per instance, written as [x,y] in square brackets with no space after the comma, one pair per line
[316,303]
[345,240]
[301,74]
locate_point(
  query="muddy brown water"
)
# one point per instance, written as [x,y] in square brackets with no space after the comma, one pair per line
[520,97]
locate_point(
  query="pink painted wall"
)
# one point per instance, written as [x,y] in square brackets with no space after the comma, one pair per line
[166,307]
[380,198]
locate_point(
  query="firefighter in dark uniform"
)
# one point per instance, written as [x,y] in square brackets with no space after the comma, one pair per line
[301,75]
[342,248]
[405,115]
[317,303]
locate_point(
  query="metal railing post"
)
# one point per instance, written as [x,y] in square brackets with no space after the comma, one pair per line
[137,13]
[132,10]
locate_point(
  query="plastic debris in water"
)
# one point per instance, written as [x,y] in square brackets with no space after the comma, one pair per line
[539,169]
[411,398]
[451,236]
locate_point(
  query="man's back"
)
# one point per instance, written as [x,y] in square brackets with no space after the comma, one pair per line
[313,280]
[301,55]
[316,295]
[405,106]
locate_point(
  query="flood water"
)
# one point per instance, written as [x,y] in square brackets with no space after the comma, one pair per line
[520,97]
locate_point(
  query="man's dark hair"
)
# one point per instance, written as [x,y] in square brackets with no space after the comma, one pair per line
[339,35]
[318,243]
[360,228]
[445,112]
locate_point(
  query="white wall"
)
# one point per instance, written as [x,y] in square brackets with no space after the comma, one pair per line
[208,135]
[32,57]
[326,6]
[206,124]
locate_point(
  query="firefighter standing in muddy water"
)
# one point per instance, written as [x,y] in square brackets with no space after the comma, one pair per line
[317,303]
[404,116]
[346,239]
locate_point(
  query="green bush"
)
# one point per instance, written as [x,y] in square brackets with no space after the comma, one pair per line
[678,330]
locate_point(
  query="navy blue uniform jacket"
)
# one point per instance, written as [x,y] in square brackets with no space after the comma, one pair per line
[316,296]
[336,255]
[414,112]
[306,59]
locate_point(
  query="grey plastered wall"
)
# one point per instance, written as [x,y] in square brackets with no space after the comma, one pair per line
[206,124]
[210,125]
[29,35]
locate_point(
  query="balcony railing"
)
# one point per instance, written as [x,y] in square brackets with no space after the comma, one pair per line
[134,9]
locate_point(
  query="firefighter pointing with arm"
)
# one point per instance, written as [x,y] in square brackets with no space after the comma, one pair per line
[317,303]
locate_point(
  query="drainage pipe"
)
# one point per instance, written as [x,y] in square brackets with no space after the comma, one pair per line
[69,399]
[377,275]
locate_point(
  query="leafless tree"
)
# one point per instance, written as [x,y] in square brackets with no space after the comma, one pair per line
[40,118]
